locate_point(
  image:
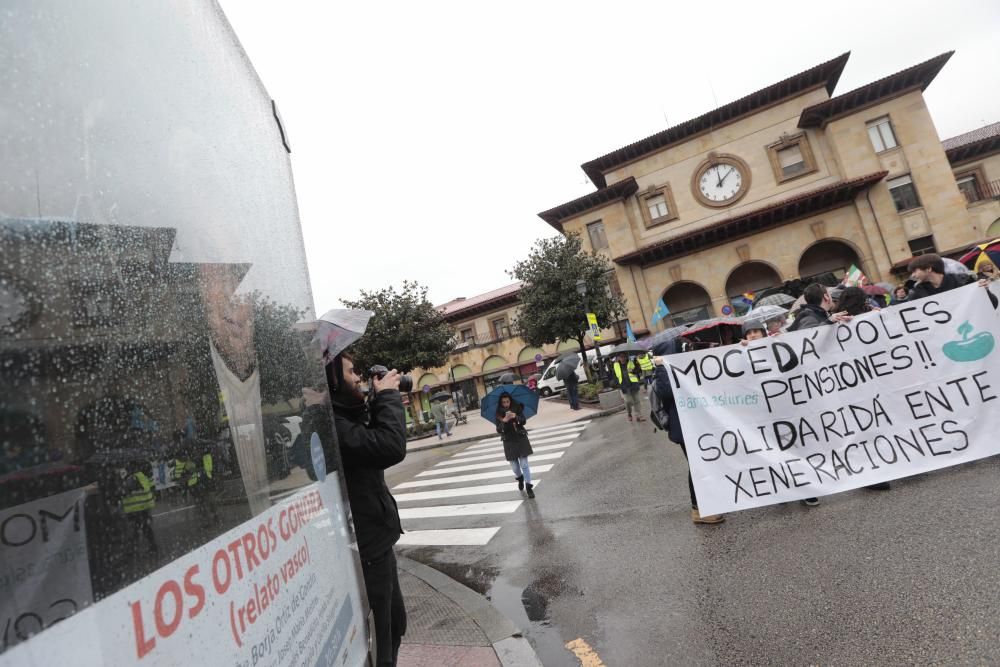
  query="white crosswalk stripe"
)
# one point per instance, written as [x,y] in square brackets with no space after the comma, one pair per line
[478,449]
[473,509]
[461,479]
[482,489]
[435,503]
[498,455]
[491,461]
[449,536]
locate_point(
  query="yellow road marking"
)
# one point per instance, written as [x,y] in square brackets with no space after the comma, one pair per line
[587,656]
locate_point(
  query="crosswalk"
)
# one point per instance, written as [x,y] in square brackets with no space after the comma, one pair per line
[460,500]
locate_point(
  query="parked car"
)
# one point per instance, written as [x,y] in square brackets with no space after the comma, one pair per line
[549,384]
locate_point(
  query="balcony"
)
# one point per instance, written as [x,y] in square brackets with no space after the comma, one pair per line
[479,340]
[977,192]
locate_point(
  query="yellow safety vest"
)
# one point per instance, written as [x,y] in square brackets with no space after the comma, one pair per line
[206,465]
[618,373]
[140,500]
[182,468]
[645,363]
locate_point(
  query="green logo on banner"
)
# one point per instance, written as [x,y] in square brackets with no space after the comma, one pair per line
[969,349]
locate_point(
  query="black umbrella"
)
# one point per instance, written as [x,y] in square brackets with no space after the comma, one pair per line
[441,396]
[628,348]
[567,366]
[508,378]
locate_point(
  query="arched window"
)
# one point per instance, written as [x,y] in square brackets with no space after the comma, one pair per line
[427,380]
[749,278]
[829,256]
[687,302]
[994,230]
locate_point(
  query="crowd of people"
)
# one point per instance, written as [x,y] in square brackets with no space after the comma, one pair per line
[823,306]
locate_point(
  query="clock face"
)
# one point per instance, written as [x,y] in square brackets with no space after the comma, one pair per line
[721,181]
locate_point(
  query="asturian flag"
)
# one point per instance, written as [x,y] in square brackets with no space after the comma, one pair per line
[629,336]
[660,312]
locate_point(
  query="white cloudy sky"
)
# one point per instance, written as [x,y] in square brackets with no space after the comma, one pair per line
[426,136]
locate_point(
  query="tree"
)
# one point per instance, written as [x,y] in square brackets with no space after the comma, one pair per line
[285,368]
[405,332]
[551,307]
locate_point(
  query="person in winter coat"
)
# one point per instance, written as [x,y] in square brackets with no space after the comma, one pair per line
[440,413]
[372,437]
[928,271]
[510,422]
[661,385]
[816,309]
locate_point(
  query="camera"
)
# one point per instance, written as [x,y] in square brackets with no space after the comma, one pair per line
[405,381]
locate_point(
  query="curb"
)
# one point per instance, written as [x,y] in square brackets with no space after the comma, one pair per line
[512,649]
[475,438]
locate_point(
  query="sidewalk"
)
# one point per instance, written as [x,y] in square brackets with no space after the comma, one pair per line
[551,412]
[449,625]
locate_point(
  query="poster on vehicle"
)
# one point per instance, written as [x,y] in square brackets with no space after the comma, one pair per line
[892,393]
[279,589]
[44,571]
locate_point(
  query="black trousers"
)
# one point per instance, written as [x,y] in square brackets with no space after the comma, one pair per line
[694,498]
[386,602]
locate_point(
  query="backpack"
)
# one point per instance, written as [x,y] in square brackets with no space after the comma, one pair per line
[658,413]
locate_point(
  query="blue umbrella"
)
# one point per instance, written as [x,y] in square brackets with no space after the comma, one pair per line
[518,393]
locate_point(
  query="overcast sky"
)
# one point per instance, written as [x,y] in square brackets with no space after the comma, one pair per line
[426,136]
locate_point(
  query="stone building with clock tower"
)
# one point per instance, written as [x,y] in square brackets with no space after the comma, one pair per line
[789,182]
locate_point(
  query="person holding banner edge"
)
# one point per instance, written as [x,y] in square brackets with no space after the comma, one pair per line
[661,385]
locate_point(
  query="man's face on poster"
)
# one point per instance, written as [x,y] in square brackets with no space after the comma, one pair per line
[229,317]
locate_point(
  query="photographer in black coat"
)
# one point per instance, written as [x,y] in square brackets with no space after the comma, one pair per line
[372,438]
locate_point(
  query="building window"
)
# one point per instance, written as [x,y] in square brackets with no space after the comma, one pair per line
[881,134]
[791,157]
[968,186]
[971,184]
[500,328]
[657,205]
[922,245]
[904,194]
[598,239]
[614,285]
[468,335]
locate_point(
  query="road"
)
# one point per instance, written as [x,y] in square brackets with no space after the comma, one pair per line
[607,553]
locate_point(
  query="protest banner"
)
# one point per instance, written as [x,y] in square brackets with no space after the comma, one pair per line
[279,589]
[45,576]
[904,390]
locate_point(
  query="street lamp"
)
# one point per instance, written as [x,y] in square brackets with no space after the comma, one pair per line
[581,288]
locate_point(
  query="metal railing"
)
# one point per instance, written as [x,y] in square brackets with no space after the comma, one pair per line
[483,339]
[982,192]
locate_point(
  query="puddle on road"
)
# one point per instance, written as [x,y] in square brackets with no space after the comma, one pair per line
[528,609]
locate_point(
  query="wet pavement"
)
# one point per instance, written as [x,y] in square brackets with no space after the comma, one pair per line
[607,553]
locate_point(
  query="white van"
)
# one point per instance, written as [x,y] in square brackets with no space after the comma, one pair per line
[549,384]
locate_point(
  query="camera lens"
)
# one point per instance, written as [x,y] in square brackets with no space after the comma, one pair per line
[405,384]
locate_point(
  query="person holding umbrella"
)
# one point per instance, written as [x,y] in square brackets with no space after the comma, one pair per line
[508,407]
[566,373]
[510,422]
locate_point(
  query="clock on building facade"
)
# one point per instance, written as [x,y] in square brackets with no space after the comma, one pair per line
[720,180]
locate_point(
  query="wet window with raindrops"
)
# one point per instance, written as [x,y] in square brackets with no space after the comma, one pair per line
[155,308]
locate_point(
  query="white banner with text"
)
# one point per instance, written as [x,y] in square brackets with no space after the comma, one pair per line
[280,589]
[904,390]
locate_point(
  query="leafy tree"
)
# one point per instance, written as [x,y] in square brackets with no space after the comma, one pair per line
[551,307]
[284,365]
[406,331]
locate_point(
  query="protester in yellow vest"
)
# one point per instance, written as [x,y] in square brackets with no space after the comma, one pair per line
[138,504]
[628,382]
[646,365]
